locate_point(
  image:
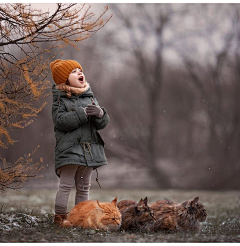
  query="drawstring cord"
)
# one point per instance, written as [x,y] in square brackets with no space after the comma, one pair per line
[82,176]
[97,179]
[87,149]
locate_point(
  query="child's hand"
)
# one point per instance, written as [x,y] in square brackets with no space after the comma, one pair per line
[94,110]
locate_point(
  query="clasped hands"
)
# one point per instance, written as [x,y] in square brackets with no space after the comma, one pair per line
[94,110]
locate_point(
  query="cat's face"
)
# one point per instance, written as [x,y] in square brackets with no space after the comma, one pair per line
[144,214]
[111,217]
[196,209]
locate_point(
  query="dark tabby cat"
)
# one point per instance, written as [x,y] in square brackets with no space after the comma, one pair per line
[173,216]
[135,216]
[124,204]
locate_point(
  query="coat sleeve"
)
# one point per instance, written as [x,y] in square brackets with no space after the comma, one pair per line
[67,121]
[101,123]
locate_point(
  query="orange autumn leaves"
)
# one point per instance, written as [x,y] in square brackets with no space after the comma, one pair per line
[30,40]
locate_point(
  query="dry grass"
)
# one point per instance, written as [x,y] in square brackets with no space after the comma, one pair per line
[26,216]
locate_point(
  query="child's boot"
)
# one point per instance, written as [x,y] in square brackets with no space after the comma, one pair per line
[58,218]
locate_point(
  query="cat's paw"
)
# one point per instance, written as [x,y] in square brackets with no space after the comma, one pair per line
[66,223]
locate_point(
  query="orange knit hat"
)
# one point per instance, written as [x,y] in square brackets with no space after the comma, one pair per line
[62,68]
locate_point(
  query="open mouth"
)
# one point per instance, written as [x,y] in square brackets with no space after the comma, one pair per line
[81,79]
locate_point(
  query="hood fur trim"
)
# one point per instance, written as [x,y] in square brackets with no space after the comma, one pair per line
[69,90]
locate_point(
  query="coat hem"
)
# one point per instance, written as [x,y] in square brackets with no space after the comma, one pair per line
[95,166]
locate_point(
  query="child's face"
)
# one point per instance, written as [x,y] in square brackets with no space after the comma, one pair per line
[76,78]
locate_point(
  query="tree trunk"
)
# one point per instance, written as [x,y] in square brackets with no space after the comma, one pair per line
[155,172]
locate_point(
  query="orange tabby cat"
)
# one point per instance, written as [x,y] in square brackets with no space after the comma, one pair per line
[95,215]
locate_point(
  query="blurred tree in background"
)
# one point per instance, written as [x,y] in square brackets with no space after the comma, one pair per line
[168,74]
[142,23]
[217,84]
[30,39]
[180,116]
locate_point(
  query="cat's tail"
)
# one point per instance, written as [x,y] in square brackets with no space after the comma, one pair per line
[66,223]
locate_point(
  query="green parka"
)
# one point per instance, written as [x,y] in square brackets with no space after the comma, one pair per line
[77,138]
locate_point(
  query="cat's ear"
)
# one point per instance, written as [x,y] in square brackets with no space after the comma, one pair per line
[99,204]
[145,201]
[194,201]
[114,202]
[140,204]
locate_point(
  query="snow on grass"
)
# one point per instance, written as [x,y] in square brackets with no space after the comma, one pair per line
[18,220]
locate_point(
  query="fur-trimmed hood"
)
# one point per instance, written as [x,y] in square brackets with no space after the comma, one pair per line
[74,92]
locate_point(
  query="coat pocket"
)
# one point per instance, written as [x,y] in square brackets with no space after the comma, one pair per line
[67,141]
[98,153]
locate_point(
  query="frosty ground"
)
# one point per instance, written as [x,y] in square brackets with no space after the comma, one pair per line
[26,216]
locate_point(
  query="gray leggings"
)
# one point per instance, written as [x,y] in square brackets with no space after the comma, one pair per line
[67,175]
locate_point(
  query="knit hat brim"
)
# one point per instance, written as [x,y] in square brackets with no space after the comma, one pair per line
[62,68]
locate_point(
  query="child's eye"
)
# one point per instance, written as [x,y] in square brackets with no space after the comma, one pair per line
[75,70]
[113,218]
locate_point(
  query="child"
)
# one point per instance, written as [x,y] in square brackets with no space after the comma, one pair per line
[77,117]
